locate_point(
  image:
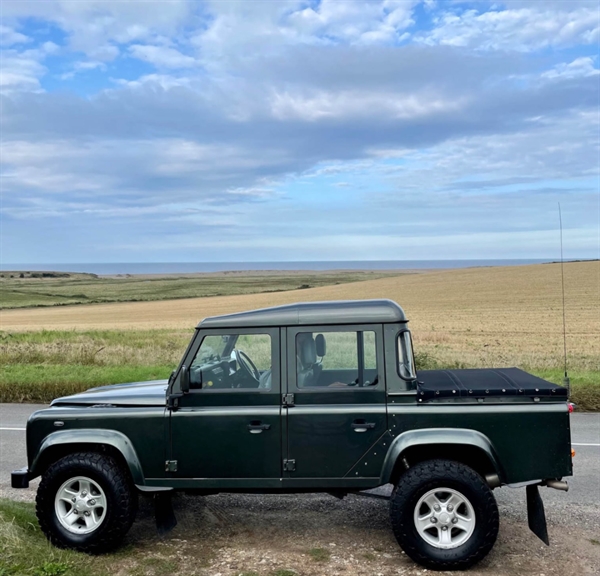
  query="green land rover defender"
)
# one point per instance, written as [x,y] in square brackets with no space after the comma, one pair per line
[310,397]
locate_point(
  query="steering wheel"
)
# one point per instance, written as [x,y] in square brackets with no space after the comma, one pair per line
[246,364]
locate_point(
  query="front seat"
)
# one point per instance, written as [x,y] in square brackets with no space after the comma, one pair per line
[306,352]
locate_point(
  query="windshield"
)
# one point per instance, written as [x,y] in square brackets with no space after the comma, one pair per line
[406,359]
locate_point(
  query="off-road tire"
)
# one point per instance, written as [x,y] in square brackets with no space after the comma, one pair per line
[118,487]
[426,476]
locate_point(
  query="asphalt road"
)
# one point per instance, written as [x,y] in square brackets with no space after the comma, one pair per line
[579,505]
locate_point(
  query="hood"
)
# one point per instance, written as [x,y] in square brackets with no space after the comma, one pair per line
[150,393]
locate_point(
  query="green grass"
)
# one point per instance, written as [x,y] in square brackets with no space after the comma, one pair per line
[25,550]
[585,386]
[27,292]
[38,383]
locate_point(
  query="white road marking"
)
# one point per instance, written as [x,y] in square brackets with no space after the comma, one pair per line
[19,429]
[576,444]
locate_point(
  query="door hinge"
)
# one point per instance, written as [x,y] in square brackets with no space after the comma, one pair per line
[288,400]
[289,465]
[171,466]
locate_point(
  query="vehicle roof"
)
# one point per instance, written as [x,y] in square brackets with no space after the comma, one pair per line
[307,313]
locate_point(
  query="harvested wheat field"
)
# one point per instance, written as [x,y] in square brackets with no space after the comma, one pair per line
[479,316]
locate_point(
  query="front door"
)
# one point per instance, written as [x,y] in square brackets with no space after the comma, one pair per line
[338,415]
[228,427]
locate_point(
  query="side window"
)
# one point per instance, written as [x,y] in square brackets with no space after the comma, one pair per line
[336,359]
[232,362]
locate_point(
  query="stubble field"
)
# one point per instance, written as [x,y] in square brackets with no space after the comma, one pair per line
[477,317]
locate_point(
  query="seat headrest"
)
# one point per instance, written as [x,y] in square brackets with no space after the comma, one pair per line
[306,350]
[321,345]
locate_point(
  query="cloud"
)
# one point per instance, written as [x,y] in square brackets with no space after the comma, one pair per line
[92,24]
[579,68]
[161,56]
[359,104]
[259,121]
[8,36]
[520,29]
[22,70]
[83,66]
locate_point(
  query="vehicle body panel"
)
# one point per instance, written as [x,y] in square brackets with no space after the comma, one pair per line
[140,431]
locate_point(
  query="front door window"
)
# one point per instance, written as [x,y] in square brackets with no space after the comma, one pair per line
[232,362]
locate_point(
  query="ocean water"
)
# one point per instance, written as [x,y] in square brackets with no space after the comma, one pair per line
[112,268]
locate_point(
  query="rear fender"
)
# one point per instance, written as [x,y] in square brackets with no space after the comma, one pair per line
[57,442]
[433,440]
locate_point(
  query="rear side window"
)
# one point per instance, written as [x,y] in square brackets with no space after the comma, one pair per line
[406,358]
[336,359]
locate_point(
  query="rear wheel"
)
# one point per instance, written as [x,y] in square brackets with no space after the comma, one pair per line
[87,502]
[444,515]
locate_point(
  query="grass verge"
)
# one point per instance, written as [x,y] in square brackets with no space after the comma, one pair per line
[25,550]
[39,383]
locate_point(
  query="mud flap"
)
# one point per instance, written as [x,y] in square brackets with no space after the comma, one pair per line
[163,513]
[536,516]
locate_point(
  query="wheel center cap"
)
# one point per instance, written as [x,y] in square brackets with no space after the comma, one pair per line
[444,518]
[80,505]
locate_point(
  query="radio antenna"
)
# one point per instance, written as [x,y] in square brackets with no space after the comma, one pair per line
[566,381]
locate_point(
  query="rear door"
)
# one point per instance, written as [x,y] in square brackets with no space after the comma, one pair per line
[337,380]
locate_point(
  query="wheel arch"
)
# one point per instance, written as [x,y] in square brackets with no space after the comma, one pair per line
[64,442]
[468,447]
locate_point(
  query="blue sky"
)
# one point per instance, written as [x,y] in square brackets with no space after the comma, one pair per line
[298,130]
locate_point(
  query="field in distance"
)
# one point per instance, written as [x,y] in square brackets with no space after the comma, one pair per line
[477,317]
[27,289]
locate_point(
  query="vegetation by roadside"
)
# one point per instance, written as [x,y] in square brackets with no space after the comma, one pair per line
[29,289]
[25,550]
[40,366]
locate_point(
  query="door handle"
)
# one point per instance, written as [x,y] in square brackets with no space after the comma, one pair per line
[362,426]
[257,427]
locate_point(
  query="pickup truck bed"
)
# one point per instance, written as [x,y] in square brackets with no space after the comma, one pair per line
[482,383]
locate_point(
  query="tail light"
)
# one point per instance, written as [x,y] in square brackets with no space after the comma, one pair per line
[571,407]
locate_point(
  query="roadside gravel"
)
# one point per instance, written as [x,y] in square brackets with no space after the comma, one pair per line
[318,535]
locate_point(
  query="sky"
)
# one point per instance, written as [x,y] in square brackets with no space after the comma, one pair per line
[287,130]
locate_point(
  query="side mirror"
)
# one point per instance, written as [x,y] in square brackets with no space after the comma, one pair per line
[184,379]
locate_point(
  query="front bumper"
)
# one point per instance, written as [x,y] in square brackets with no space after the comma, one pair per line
[20,478]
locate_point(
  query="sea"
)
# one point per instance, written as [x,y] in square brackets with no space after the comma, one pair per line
[115,268]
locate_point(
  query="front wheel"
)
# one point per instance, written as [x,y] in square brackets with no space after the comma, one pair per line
[444,515]
[86,502]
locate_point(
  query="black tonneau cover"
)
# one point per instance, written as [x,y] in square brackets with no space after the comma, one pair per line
[481,383]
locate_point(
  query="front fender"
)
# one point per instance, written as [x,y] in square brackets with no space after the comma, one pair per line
[437,436]
[91,436]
